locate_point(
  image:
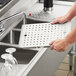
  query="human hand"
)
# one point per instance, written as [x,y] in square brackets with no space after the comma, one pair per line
[61,19]
[59,45]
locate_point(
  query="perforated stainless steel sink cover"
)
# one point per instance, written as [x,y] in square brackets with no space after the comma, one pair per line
[37,35]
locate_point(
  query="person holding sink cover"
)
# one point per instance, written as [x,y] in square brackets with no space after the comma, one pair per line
[61,45]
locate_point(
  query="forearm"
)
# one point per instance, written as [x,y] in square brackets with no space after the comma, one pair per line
[71,13]
[71,37]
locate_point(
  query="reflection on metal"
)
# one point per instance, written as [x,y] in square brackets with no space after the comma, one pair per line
[3,3]
[7,6]
[1,27]
[17,14]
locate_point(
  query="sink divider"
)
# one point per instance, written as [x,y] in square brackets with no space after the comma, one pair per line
[12,41]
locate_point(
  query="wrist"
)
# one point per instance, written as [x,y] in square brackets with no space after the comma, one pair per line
[67,17]
[68,40]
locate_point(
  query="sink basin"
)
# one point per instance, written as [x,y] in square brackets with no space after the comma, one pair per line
[12,37]
[23,56]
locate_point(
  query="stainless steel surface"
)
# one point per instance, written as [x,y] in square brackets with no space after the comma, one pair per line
[66,0]
[1,27]
[19,6]
[18,50]
[3,3]
[44,62]
[37,13]
[43,57]
[47,64]
[16,18]
[30,61]
[41,34]
[60,0]
[10,23]
[63,3]
[23,56]
[9,5]
[75,61]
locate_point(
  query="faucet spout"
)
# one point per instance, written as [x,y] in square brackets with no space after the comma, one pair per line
[48,5]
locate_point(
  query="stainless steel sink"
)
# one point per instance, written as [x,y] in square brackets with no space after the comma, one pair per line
[23,56]
[39,61]
[31,59]
[12,37]
[12,40]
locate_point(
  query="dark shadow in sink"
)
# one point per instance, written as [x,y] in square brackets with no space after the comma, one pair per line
[19,25]
[23,56]
[28,21]
[15,37]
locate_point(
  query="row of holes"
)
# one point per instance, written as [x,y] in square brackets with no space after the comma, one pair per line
[35,37]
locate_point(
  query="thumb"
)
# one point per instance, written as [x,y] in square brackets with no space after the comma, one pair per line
[51,43]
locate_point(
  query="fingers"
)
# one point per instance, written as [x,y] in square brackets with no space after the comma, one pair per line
[52,47]
[57,49]
[58,45]
[51,42]
[55,21]
[58,20]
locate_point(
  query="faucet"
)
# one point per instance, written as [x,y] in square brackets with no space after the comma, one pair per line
[48,4]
